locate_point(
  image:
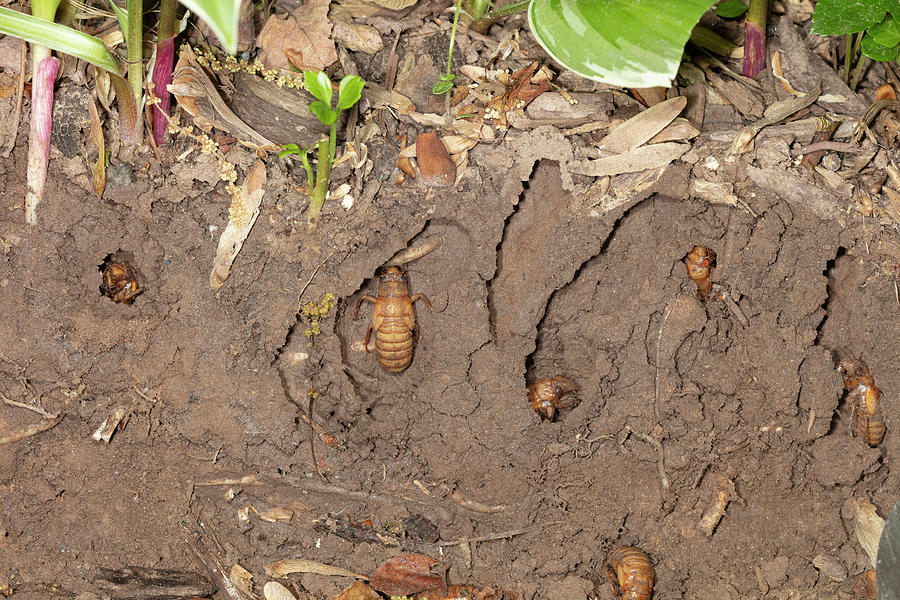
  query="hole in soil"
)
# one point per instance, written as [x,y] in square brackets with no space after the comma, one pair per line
[492,312]
[830,287]
[119,277]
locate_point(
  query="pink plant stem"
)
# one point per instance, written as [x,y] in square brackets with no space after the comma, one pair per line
[39,143]
[755,38]
[162,77]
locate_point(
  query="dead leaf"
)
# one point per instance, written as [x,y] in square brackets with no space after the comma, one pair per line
[240,222]
[864,587]
[241,578]
[405,574]
[677,130]
[435,164]
[357,37]
[637,159]
[302,40]
[358,591]
[885,92]
[275,591]
[643,126]
[868,527]
[98,168]
[287,566]
[394,4]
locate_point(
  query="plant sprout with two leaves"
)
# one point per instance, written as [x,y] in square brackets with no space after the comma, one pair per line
[349,92]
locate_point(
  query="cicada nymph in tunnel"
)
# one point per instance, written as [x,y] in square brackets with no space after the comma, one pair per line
[700,262]
[630,573]
[865,400]
[549,394]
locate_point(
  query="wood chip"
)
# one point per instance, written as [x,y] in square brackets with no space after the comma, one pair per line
[240,222]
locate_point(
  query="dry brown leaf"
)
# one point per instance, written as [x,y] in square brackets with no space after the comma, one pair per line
[98,167]
[394,4]
[893,206]
[677,130]
[643,126]
[435,164]
[358,591]
[301,41]
[357,37]
[868,526]
[275,591]
[240,222]
[885,92]
[405,574]
[241,578]
[865,587]
[287,566]
[637,159]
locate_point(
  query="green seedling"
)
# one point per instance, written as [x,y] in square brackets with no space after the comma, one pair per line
[349,93]
[870,31]
[445,84]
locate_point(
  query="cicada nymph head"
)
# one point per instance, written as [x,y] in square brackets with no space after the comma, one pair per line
[549,394]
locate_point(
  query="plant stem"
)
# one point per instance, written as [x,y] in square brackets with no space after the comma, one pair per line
[162,69]
[861,65]
[848,56]
[41,124]
[135,44]
[453,39]
[755,38]
[477,8]
[510,8]
[323,175]
[43,75]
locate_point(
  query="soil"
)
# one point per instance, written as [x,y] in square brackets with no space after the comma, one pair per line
[530,280]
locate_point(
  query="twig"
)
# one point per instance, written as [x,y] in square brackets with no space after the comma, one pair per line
[31,430]
[835,146]
[210,561]
[658,339]
[623,435]
[312,437]
[36,409]
[476,506]
[308,281]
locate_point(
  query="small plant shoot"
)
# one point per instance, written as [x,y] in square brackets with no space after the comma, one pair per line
[349,93]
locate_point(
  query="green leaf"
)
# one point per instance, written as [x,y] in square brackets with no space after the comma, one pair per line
[58,37]
[620,42]
[349,91]
[840,17]
[318,85]
[877,51]
[731,9]
[323,112]
[885,33]
[121,15]
[222,16]
[442,87]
